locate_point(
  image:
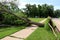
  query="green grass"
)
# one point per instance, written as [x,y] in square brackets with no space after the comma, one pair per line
[58,35]
[36,19]
[9,30]
[42,33]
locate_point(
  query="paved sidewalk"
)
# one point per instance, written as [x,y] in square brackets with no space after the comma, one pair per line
[57,23]
[22,34]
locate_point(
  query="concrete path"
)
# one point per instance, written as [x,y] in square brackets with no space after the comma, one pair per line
[22,34]
[57,23]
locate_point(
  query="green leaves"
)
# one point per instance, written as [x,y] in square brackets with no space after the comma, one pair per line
[9,13]
[39,11]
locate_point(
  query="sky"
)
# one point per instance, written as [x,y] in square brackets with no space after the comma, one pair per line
[22,3]
[55,3]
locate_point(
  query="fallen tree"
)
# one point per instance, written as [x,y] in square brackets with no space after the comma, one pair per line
[4,8]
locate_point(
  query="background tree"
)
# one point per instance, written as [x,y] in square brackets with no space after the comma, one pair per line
[57,13]
[50,11]
[44,10]
[39,11]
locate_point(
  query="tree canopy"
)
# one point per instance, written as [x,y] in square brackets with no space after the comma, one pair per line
[44,10]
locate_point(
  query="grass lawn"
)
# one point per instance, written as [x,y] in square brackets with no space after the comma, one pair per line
[58,35]
[42,33]
[9,30]
[36,19]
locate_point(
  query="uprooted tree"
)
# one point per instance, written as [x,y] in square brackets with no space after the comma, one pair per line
[10,10]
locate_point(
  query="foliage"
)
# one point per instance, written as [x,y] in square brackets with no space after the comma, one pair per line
[44,10]
[9,18]
[57,13]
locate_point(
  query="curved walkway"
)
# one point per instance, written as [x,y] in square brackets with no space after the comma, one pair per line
[22,34]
